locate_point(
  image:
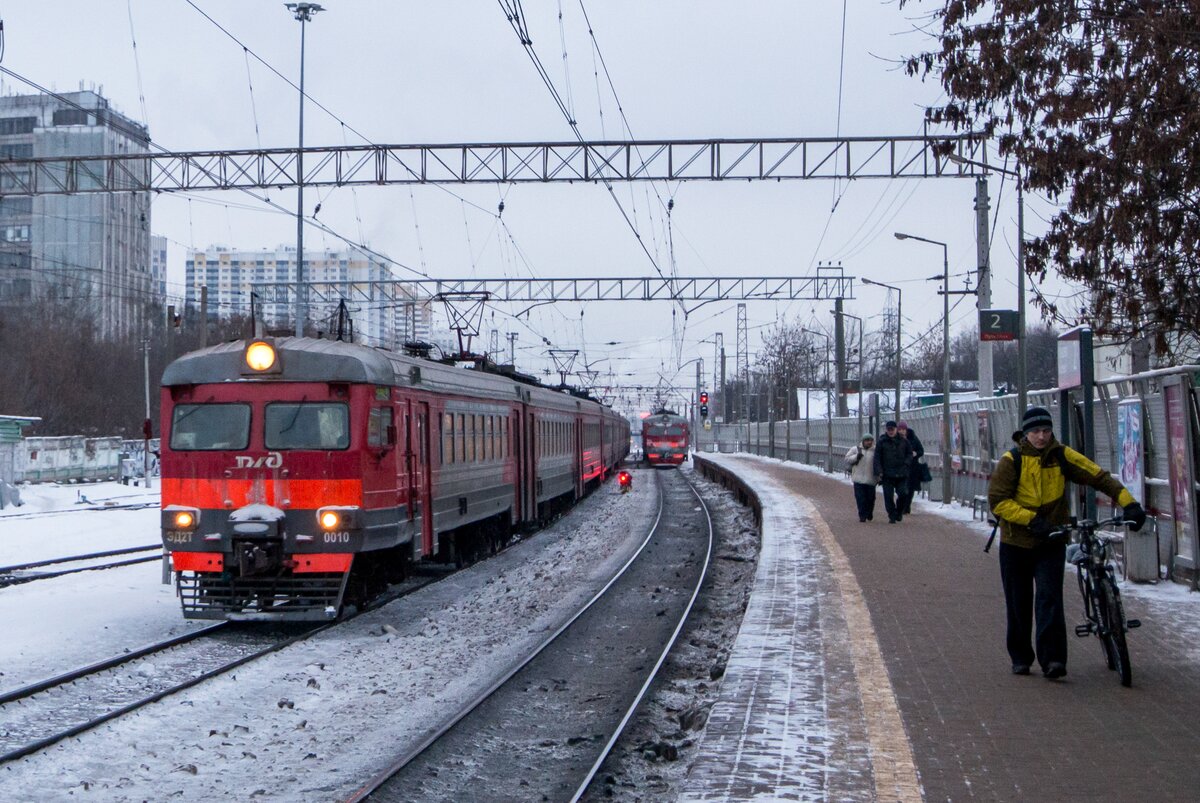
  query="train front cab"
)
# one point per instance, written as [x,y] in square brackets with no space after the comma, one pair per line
[284,500]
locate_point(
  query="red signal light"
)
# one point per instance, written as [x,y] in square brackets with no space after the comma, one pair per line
[704,397]
[625,478]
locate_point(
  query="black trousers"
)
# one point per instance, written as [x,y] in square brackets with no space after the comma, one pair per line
[1033,591]
[864,498]
[894,489]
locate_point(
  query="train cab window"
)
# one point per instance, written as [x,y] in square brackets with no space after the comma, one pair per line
[307,425]
[378,423]
[210,427]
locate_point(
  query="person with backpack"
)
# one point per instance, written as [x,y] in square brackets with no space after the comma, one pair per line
[893,455]
[860,461]
[1028,495]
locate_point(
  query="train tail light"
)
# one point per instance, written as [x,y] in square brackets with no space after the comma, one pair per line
[330,520]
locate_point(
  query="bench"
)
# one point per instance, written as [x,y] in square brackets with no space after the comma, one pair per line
[980,508]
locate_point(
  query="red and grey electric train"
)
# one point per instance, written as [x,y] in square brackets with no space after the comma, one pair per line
[299,474]
[664,438]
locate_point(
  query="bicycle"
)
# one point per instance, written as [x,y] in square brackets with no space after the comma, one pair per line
[1101,598]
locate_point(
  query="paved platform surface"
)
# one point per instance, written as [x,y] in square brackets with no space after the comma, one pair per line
[871,666]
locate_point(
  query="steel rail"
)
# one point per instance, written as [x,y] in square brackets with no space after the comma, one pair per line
[579,792]
[108,663]
[30,690]
[75,558]
[363,792]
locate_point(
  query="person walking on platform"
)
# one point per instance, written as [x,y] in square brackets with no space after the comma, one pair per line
[904,503]
[893,454]
[1030,499]
[860,460]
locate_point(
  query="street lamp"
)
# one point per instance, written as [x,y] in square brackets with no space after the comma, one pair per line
[1022,381]
[828,400]
[945,359]
[302,12]
[899,298]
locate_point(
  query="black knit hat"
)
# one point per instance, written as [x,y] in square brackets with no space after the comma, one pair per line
[1036,417]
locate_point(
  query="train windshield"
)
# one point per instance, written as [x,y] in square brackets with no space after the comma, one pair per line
[307,425]
[660,431]
[210,427]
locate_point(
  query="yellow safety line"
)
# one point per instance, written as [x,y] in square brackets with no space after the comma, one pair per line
[891,753]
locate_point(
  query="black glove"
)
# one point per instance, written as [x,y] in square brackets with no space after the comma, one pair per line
[1135,516]
[1040,526]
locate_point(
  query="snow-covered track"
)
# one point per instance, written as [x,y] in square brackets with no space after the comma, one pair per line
[542,730]
[40,714]
[26,572]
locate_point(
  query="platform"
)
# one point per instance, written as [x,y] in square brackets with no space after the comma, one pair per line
[871,666]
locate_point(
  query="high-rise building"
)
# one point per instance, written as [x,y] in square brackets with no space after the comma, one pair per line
[158,267]
[380,319]
[93,249]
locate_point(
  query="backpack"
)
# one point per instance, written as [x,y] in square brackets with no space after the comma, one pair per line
[1016,457]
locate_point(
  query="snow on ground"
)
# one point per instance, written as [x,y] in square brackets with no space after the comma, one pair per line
[314,720]
[58,624]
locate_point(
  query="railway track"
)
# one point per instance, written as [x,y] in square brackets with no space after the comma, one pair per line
[543,729]
[39,714]
[27,572]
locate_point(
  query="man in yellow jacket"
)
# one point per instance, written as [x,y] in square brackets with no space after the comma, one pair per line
[1030,500]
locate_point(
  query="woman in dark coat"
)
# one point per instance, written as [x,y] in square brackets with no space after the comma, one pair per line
[914,468]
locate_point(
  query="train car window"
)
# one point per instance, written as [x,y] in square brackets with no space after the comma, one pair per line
[503,438]
[377,426]
[461,437]
[480,454]
[489,438]
[472,434]
[447,455]
[210,427]
[307,425]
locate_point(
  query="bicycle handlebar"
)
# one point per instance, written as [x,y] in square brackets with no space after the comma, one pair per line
[1087,524]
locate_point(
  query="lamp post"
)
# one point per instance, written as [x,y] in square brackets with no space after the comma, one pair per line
[828,400]
[945,359]
[1022,380]
[899,298]
[302,12]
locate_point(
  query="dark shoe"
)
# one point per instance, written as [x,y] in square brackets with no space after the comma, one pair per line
[1020,669]
[1055,670]
[892,520]
[862,519]
[899,517]
[871,517]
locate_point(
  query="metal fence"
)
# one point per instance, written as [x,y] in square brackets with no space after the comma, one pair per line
[981,431]
[75,458]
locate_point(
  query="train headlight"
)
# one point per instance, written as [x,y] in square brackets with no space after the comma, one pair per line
[180,518]
[260,356]
[338,518]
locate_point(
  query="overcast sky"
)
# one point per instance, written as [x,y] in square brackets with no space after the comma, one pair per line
[408,72]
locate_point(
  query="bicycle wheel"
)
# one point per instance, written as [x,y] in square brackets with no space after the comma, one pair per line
[1112,622]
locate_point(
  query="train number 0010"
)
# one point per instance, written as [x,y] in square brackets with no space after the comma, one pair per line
[337,538]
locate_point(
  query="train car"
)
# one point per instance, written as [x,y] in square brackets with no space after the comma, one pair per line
[299,474]
[665,438]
